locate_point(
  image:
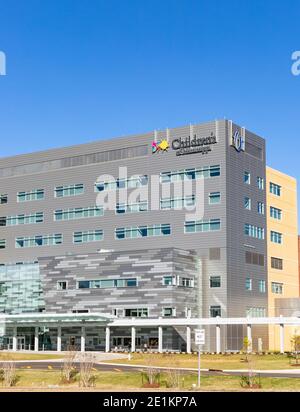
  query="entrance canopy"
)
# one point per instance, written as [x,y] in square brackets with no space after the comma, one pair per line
[28,319]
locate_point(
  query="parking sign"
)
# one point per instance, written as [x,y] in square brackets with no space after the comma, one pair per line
[199,336]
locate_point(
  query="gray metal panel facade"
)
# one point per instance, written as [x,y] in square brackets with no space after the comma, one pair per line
[231,296]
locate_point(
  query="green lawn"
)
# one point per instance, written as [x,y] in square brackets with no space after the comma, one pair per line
[27,356]
[236,361]
[50,379]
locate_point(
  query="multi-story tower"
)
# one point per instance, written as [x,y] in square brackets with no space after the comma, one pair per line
[282,225]
[54,215]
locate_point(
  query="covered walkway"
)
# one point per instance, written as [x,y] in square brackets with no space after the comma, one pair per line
[72,329]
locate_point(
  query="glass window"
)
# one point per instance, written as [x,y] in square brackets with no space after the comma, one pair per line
[130,282]
[215,311]
[35,194]
[37,217]
[78,213]
[260,182]
[260,208]
[276,263]
[83,284]
[275,213]
[143,231]
[190,174]
[177,203]
[256,312]
[247,203]
[262,286]
[2,243]
[277,288]
[61,285]
[248,284]
[202,226]
[141,206]
[130,183]
[70,190]
[45,240]
[139,312]
[214,197]
[168,280]
[186,282]
[254,231]
[3,199]
[275,189]
[168,312]
[276,237]
[247,178]
[215,281]
[104,283]
[88,236]
[3,221]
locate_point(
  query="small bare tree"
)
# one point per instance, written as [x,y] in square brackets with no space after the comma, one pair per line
[151,373]
[173,376]
[87,378]
[9,375]
[69,370]
[295,342]
[247,348]
[251,380]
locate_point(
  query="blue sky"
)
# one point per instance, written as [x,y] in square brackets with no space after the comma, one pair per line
[81,71]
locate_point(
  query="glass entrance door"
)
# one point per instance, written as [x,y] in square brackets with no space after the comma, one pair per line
[9,343]
[20,342]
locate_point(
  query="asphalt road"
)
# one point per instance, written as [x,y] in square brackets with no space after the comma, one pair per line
[116,368]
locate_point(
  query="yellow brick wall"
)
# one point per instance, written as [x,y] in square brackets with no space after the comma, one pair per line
[288,250]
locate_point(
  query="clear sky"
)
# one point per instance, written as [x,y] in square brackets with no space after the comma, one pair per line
[79,70]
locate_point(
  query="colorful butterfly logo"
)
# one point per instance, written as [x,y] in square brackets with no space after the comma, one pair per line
[160,146]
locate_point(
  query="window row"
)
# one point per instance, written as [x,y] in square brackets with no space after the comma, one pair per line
[170,280]
[261,285]
[163,229]
[37,217]
[46,240]
[260,206]
[202,226]
[190,174]
[143,312]
[254,231]
[122,183]
[256,312]
[143,231]
[78,213]
[95,211]
[57,239]
[177,202]
[259,180]
[107,283]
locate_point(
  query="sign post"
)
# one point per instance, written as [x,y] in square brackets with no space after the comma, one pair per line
[199,340]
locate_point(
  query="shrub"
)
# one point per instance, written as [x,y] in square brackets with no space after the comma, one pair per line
[8,374]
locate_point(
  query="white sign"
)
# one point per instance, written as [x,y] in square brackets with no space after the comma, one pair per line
[199,336]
